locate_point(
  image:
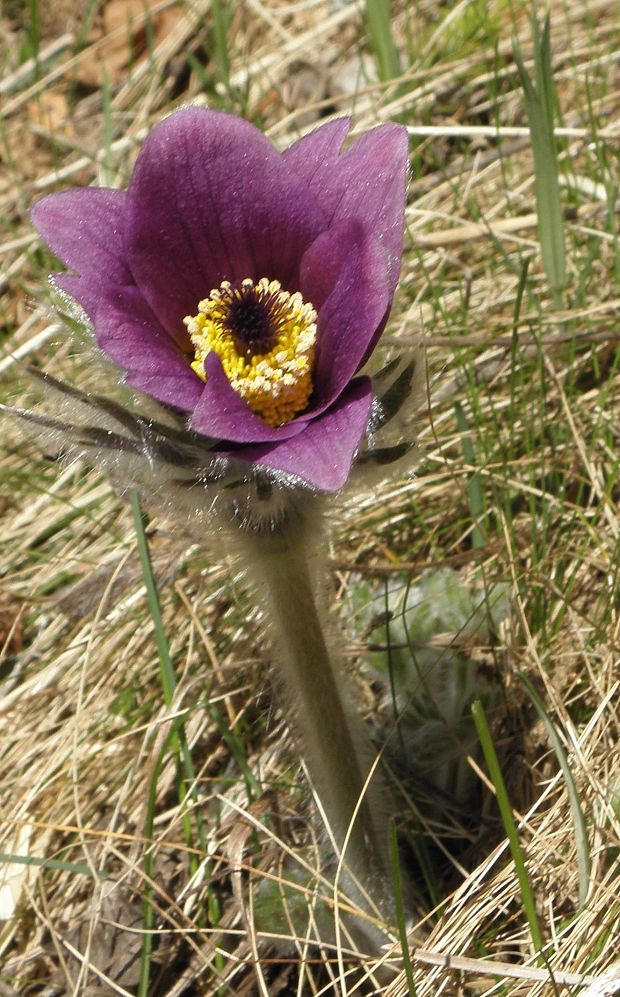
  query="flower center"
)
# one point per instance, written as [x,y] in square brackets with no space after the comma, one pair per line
[265,338]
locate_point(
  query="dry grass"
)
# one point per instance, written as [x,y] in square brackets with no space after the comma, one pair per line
[82,721]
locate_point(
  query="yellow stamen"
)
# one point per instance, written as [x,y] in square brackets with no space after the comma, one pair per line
[265,338]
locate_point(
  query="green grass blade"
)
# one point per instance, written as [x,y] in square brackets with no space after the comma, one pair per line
[236,747]
[540,108]
[221,22]
[34,34]
[516,317]
[584,861]
[78,868]
[542,69]
[400,910]
[148,918]
[85,25]
[168,677]
[108,128]
[475,495]
[379,25]
[180,747]
[510,827]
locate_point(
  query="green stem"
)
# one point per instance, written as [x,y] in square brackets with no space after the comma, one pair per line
[334,743]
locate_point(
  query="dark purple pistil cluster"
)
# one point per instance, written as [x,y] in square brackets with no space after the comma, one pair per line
[253,320]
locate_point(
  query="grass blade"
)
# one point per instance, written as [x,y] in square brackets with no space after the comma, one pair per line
[540,108]
[221,12]
[168,677]
[167,673]
[148,918]
[475,494]
[584,861]
[378,22]
[400,910]
[510,827]
[77,868]
[176,741]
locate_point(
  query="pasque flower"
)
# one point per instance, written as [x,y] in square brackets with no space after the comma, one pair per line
[242,287]
[242,290]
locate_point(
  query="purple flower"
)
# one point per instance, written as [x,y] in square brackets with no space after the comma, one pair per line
[243,286]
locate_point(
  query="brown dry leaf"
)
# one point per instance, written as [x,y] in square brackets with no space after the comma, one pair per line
[123,20]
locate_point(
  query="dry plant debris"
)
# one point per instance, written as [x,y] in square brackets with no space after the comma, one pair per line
[522,446]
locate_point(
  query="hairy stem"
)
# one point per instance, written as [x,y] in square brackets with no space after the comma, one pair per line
[334,743]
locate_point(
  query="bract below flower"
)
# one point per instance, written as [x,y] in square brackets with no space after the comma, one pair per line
[243,286]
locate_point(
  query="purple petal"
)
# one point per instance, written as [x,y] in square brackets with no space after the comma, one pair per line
[223,413]
[367,182]
[344,276]
[85,229]
[87,292]
[128,332]
[318,150]
[211,199]
[323,451]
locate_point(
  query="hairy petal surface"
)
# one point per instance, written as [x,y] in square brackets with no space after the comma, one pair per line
[322,453]
[128,332]
[211,199]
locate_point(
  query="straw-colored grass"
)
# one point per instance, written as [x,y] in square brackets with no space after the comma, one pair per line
[519,484]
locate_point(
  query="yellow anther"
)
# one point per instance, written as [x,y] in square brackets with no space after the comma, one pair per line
[265,339]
